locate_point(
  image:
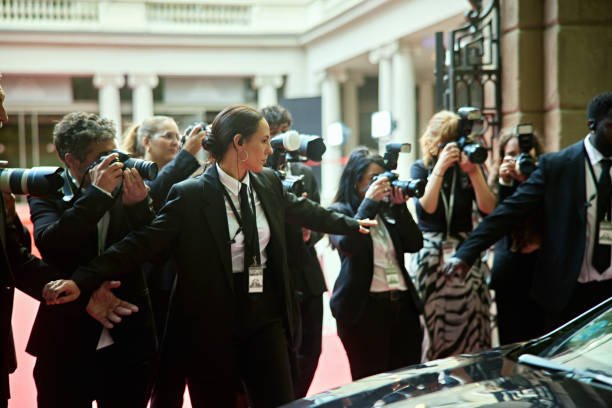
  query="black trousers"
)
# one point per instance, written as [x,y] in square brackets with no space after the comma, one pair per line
[311,309]
[105,376]
[387,336]
[260,355]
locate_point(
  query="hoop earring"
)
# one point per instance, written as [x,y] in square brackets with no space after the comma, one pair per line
[246,153]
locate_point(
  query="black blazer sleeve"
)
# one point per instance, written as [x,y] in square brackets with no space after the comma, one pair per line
[178,169]
[410,235]
[349,244]
[527,198]
[127,255]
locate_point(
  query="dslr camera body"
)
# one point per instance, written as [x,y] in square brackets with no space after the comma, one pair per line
[470,124]
[411,187]
[147,169]
[525,162]
[203,125]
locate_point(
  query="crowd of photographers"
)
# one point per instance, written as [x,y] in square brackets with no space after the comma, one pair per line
[172,258]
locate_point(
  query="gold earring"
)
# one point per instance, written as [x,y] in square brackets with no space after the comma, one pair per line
[246,157]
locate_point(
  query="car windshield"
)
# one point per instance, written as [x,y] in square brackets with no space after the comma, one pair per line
[588,348]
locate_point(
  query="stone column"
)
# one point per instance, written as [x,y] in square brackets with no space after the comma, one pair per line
[382,57]
[350,99]
[108,97]
[331,166]
[142,95]
[404,98]
[267,86]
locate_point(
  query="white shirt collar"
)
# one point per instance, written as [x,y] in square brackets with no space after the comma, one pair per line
[594,155]
[230,183]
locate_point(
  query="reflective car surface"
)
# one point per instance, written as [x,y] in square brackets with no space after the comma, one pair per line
[569,367]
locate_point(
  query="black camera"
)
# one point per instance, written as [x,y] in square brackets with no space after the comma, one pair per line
[470,124]
[292,146]
[146,169]
[292,183]
[203,126]
[410,188]
[37,181]
[525,162]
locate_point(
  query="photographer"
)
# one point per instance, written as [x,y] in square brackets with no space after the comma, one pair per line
[232,315]
[573,189]
[100,202]
[444,215]
[304,265]
[374,302]
[157,139]
[519,317]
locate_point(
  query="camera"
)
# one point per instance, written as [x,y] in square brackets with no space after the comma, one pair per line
[525,162]
[292,146]
[146,169]
[410,188]
[37,181]
[471,124]
[291,183]
[203,126]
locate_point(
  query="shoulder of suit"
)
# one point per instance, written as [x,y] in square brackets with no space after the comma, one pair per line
[565,154]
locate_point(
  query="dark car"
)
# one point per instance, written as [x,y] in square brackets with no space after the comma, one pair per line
[569,367]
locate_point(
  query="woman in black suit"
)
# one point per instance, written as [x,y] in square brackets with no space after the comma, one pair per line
[232,315]
[374,302]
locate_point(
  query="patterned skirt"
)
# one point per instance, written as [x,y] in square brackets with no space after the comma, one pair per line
[456,313]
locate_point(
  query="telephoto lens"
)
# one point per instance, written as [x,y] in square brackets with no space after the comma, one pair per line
[37,181]
[146,169]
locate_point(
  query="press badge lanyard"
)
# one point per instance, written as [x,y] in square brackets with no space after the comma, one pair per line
[256,257]
[605,226]
[449,245]
[448,209]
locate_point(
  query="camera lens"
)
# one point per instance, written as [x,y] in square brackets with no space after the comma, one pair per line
[37,181]
[146,169]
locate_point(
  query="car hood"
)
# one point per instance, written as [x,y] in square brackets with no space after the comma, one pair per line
[479,380]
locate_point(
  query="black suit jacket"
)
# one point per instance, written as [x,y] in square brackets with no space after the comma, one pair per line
[194,224]
[303,259]
[18,268]
[178,169]
[350,295]
[65,232]
[558,189]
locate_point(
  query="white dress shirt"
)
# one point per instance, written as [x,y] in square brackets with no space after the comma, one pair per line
[587,272]
[385,260]
[232,186]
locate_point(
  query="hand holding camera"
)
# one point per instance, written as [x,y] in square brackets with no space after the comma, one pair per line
[379,189]
[193,137]
[107,174]
[509,171]
[134,188]
[447,157]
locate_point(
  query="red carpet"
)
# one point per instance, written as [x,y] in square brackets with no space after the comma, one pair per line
[333,366]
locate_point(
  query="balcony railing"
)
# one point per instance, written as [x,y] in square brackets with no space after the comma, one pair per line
[48,11]
[189,13]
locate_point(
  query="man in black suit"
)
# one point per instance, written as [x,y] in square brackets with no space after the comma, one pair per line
[20,269]
[306,272]
[572,188]
[99,204]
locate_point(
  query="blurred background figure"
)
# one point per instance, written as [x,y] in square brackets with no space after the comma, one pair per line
[304,265]
[158,139]
[519,316]
[374,301]
[456,315]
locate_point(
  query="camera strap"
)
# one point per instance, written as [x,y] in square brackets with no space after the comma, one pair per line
[449,204]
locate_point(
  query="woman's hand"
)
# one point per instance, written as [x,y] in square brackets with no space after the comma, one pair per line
[193,141]
[449,155]
[397,197]
[366,224]
[134,188]
[60,291]
[466,164]
[379,189]
[508,171]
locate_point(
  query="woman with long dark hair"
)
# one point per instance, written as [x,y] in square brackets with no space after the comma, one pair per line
[233,312]
[374,302]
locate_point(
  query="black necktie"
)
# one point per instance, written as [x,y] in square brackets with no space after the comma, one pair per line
[601,253]
[249,229]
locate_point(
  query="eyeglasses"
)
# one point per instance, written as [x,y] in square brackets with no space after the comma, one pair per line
[168,135]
